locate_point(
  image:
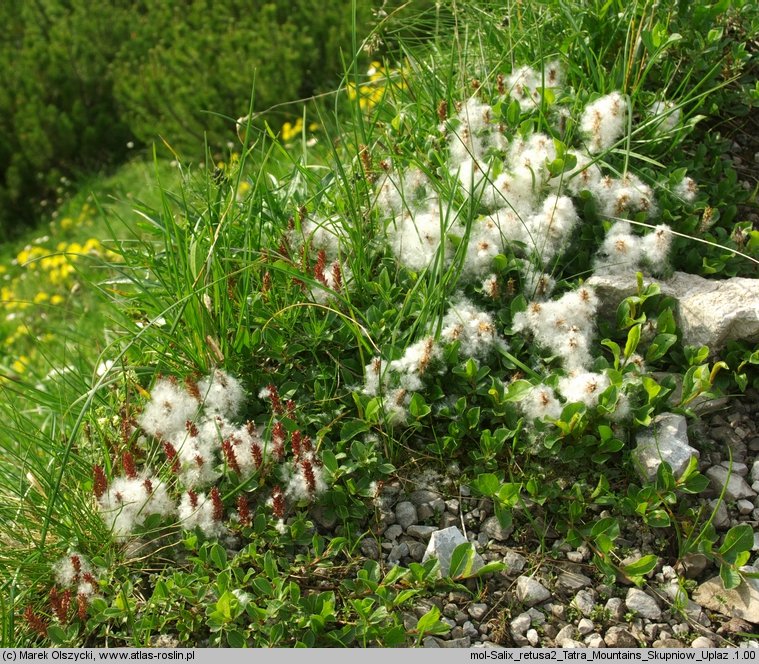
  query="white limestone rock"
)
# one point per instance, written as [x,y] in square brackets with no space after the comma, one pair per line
[666,440]
[442,545]
[711,312]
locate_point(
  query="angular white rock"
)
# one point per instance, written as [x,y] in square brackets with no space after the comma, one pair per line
[735,487]
[711,312]
[666,440]
[442,545]
[530,591]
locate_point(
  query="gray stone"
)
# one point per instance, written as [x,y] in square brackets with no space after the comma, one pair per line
[470,630]
[572,643]
[616,608]
[416,551]
[430,642]
[477,611]
[327,519]
[405,514]
[745,506]
[702,642]
[370,548]
[441,546]
[734,485]
[566,632]
[521,623]
[741,602]
[399,551]
[538,617]
[530,592]
[668,643]
[721,517]
[642,604]
[755,472]
[738,468]
[585,626]
[447,520]
[464,642]
[572,581]
[515,562]
[533,638]
[421,532]
[492,527]
[595,641]
[666,440]
[584,601]
[694,565]
[393,532]
[710,312]
[620,637]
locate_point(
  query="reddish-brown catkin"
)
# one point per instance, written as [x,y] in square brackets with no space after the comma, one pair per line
[218,506]
[295,444]
[171,454]
[127,461]
[243,510]
[99,483]
[230,456]
[276,402]
[35,622]
[258,457]
[321,263]
[82,604]
[193,496]
[278,438]
[278,502]
[308,475]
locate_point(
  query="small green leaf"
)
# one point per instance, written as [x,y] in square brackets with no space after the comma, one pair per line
[351,429]
[418,407]
[738,539]
[696,483]
[430,623]
[235,639]
[487,484]
[642,566]
[633,338]
[218,556]
[658,519]
[730,576]
[517,390]
[462,561]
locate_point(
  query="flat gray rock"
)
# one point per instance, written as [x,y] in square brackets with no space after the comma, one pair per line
[734,485]
[493,529]
[573,581]
[530,591]
[642,604]
[666,440]
[405,514]
[741,602]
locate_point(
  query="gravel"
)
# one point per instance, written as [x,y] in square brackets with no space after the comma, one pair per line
[556,599]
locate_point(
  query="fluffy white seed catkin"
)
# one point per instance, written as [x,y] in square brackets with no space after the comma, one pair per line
[169,408]
[221,394]
[603,121]
[687,189]
[583,387]
[541,404]
[200,514]
[472,328]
